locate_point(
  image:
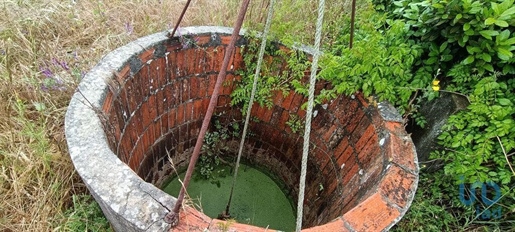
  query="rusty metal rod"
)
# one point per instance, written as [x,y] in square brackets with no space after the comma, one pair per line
[180,18]
[352,18]
[173,217]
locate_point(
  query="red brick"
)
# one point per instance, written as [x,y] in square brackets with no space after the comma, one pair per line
[368,134]
[359,131]
[180,114]
[106,107]
[285,116]
[191,220]
[340,154]
[160,103]
[162,74]
[152,107]
[217,58]
[171,66]
[133,163]
[267,114]
[226,39]
[124,100]
[354,120]
[145,111]
[209,59]
[369,151]
[138,121]
[288,100]
[157,129]
[401,151]
[350,194]
[140,150]
[202,40]
[153,76]
[179,65]
[228,85]
[190,61]
[200,63]
[301,113]
[197,109]
[211,86]
[147,141]
[327,135]
[188,111]
[123,74]
[372,173]
[278,98]
[172,120]
[373,214]
[397,185]
[362,99]
[344,109]
[350,170]
[144,81]
[151,135]
[131,95]
[296,103]
[195,88]
[185,90]
[177,92]
[238,59]
[147,55]
[215,224]
[164,123]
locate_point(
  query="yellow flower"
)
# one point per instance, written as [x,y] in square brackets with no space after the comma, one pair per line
[435,86]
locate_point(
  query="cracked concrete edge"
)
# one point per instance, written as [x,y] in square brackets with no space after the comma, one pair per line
[127,206]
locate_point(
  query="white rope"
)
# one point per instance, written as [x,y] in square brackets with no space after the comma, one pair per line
[254,87]
[309,113]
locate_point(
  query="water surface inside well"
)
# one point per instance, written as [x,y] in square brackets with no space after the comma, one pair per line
[257,199]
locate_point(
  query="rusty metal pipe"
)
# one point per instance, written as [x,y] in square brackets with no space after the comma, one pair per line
[173,217]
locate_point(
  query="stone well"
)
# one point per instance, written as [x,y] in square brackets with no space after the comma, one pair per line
[148,98]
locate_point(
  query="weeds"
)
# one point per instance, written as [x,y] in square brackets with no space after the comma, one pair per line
[45,49]
[85,215]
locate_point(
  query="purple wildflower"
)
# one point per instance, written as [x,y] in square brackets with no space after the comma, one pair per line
[46,71]
[55,62]
[43,87]
[129,28]
[64,65]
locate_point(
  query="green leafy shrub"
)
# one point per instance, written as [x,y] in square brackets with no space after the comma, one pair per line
[211,164]
[479,137]
[85,215]
[280,71]
[379,63]
[469,46]
[475,33]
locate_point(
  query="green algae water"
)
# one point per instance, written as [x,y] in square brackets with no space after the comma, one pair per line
[257,200]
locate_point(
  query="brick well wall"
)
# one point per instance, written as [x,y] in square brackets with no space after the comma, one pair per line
[363,160]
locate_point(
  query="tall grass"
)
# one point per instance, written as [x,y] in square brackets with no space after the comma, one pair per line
[46,46]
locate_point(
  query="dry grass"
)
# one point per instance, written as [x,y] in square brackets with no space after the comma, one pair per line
[46,46]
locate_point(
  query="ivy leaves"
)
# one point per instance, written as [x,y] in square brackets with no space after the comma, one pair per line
[471,136]
[379,63]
